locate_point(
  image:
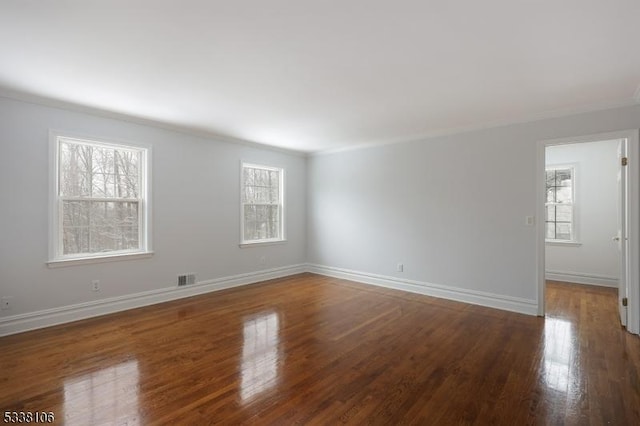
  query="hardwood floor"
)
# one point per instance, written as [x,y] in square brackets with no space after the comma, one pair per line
[315,350]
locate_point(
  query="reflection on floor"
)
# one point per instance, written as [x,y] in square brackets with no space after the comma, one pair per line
[559,347]
[109,395]
[259,367]
[316,350]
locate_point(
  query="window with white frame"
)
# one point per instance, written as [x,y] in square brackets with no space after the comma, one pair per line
[100,206]
[560,189]
[262,204]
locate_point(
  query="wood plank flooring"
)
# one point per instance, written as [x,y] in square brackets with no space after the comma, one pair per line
[316,350]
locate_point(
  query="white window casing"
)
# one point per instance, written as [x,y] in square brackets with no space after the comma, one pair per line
[560,205]
[99,200]
[262,215]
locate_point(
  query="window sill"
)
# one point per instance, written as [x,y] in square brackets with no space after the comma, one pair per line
[262,243]
[563,243]
[60,263]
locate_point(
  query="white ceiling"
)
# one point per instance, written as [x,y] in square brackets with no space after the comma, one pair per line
[324,75]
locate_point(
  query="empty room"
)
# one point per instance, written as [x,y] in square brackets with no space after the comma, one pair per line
[330,212]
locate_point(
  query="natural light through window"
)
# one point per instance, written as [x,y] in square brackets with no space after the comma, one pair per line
[100,207]
[560,204]
[262,204]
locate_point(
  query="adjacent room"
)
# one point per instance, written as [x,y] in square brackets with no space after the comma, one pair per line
[354,212]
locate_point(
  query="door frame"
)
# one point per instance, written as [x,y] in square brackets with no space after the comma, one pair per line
[633,223]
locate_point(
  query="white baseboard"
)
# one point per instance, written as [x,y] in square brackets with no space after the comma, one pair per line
[34,320]
[49,317]
[508,303]
[579,278]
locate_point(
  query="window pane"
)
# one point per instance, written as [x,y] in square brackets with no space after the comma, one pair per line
[250,213]
[261,230]
[110,238]
[550,178]
[274,222]
[563,231]
[257,176]
[103,185]
[247,194]
[126,164]
[74,170]
[250,222]
[87,170]
[274,186]
[260,194]
[75,227]
[101,172]
[559,215]
[274,189]
[75,213]
[551,213]
[126,186]
[261,222]
[564,213]
[115,173]
[261,186]
[114,226]
[248,175]
[75,240]
[563,177]
[102,160]
[96,226]
[564,194]
[97,171]
[262,177]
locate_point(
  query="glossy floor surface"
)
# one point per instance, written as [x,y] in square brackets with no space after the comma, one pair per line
[315,350]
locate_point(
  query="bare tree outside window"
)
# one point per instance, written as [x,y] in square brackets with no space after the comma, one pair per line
[99,190]
[559,204]
[261,203]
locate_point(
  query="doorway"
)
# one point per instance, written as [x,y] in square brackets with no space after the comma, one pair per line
[604,243]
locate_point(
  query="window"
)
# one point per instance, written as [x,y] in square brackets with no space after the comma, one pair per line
[560,203]
[100,206]
[262,204]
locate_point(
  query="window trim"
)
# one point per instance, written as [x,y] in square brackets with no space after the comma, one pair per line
[271,241]
[56,258]
[574,241]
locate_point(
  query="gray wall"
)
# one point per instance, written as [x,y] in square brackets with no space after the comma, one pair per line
[451,209]
[196,211]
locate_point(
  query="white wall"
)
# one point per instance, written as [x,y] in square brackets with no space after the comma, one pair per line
[451,208]
[595,260]
[195,211]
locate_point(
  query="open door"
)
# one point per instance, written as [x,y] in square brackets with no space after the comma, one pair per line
[621,239]
[628,236]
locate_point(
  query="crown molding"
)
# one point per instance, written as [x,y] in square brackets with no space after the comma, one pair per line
[205,134]
[190,131]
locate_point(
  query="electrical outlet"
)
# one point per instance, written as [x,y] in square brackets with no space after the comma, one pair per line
[6,302]
[95,285]
[399,267]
